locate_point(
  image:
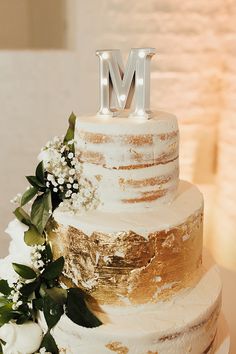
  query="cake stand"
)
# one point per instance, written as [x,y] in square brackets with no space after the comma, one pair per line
[223,337]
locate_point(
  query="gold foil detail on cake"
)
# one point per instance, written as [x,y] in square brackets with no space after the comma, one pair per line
[117,347]
[170,135]
[138,140]
[94,138]
[146,196]
[153,181]
[130,139]
[92,157]
[127,268]
[98,177]
[156,162]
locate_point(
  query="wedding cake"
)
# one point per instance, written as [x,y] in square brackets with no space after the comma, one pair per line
[109,257]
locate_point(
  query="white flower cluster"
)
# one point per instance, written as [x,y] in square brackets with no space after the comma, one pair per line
[85,199]
[38,264]
[61,165]
[15,295]
[64,176]
[36,257]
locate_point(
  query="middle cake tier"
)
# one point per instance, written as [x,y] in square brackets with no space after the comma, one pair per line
[133,258]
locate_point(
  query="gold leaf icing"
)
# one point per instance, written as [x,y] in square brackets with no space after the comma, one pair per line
[125,268]
[117,347]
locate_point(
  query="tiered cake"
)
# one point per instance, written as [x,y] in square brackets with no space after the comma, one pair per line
[125,230]
[139,254]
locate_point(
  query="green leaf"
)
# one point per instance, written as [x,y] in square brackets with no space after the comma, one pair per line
[28,195]
[49,254]
[42,290]
[35,182]
[41,211]
[24,271]
[54,269]
[52,311]
[56,200]
[49,344]
[22,216]
[40,173]
[33,237]
[58,295]
[77,310]
[38,304]
[3,301]
[6,314]
[24,314]
[71,130]
[1,350]
[4,287]
[29,289]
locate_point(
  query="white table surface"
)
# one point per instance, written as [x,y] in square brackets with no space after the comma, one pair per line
[229,295]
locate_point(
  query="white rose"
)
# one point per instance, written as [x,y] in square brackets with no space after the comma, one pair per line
[19,252]
[18,249]
[21,339]
[49,155]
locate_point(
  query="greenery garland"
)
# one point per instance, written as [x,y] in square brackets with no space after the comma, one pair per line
[40,290]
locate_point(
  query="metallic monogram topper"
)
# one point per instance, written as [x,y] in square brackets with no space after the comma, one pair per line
[125,82]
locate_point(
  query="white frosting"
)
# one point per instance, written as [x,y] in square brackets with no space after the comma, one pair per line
[162,217]
[119,152]
[21,339]
[111,192]
[141,328]
[120,149]
[123,125]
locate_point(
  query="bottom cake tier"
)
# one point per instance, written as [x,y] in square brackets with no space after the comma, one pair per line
[185,324]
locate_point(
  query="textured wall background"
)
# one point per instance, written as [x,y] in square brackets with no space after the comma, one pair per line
[193,76]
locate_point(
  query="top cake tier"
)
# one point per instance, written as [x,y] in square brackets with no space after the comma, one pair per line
[132,162]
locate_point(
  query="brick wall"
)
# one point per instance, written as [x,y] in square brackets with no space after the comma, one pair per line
[193,76]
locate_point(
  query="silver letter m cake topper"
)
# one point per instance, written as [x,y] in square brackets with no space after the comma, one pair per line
[134,80]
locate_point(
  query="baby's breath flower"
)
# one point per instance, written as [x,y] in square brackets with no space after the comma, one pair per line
[64,174]
[71,180]
[68,193]
[72,172]
[50,177]
[61,180]
[54,183]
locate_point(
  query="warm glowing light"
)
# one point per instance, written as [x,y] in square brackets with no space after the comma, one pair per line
[140,81]
[140,112]
[105,55]
[104,81]
[141,54]
[122,97]
[105,111]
